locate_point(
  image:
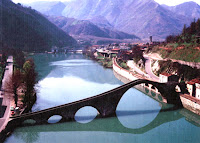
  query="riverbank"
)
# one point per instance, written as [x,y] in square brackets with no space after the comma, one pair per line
[104,61]
[8,101]
[190,103]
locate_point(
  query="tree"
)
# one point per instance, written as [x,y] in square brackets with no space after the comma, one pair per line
[29,79]
[137,54]
[13,83]
[184,31]
[193,28]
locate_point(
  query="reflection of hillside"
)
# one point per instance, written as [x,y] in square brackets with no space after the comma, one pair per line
[86,69]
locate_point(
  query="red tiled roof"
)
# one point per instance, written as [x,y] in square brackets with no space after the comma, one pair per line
[193,81]
[166,74]
[116,49]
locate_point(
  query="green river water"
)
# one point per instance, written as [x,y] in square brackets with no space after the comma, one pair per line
[140,119]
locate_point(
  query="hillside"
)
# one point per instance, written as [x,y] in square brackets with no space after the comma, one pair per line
[28,30]
[85,27]
[185,46]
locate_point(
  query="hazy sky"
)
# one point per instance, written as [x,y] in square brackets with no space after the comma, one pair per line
[167,2]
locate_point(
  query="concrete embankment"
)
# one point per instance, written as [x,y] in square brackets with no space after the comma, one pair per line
[190,103]
[125,73]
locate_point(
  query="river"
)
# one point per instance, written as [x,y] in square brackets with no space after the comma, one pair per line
[65,78]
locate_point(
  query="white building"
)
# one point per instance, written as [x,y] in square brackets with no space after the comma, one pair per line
[193,87]
[197,90]
[163,77]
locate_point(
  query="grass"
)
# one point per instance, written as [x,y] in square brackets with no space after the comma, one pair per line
[123,65]
[106,62]
[99,57]
[185,52]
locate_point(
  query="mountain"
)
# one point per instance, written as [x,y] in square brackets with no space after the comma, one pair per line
[101,22]
[85,27]
[189,9]
[141,17]
[27,29]
[48,8]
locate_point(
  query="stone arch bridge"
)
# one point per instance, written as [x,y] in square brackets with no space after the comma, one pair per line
[105,103]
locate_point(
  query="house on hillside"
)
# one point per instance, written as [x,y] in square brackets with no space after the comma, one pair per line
[163,77]
[193,87]
[197,90]
[117,50]
[166,77]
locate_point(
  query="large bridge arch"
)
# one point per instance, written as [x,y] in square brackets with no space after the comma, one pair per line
[105,103]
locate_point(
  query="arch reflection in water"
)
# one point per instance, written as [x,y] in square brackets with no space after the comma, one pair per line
[86,114]
[29,121]
[54,119]
[136,110]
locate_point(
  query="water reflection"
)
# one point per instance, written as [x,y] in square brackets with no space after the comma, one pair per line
[141,109]
[72,65]
[54,119]
[86,114]
[27,137]
[57,91]
[106,125]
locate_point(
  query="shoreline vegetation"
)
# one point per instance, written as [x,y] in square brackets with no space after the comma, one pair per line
[21,84]
[104,61]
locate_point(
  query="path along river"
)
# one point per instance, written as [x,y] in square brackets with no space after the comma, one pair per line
[140,119]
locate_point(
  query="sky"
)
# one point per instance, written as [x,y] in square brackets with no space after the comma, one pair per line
[167,2]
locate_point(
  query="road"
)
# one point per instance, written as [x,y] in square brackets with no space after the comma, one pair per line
[149,74]
[6,97]
[149,70]
[133,67]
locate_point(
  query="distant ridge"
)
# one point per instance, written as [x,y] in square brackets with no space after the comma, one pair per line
[143,18]
[189,9]
[85,27]
[54,8]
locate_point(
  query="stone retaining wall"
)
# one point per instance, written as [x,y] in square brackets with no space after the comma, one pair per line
[190,103]
[130,75]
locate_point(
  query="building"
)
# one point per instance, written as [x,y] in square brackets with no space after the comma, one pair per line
[193,87]
[197,90]
[164,77]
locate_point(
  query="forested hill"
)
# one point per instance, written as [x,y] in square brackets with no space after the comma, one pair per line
[24,28]
[189,34]
[184,47]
